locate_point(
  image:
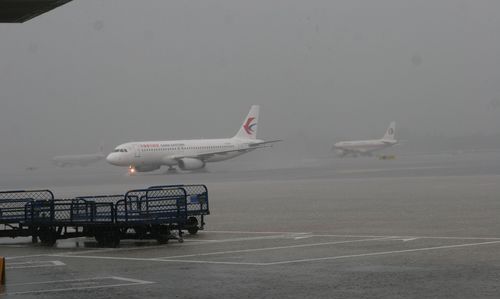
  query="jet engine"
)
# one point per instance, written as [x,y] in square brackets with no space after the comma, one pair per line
[191,164]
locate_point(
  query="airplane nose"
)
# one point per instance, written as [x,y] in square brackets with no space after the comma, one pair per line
[112,158]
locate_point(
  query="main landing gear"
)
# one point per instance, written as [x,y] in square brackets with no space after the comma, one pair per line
[171,169]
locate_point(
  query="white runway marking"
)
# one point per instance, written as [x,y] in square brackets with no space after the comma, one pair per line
[303,237]
[191,242]
[213,262]
[74,282]
[220,252]
[371,170]
[281,236]
[34,264]
[289,234]
[276,248]
[358,236]
[277,235]
[174,259]
[382,253]
[409,239]
[156,260]
[24,256]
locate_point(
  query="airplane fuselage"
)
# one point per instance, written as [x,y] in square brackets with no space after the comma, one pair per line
[159,153]
[364,145]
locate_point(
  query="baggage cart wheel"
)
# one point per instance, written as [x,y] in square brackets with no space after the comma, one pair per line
[100,238]
[162,234]
[161,239]
[140,231]
[47,235]
[108,237]
[192,225]
[115,241]
[193,230]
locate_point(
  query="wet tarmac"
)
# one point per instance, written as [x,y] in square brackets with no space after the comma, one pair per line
[424,226]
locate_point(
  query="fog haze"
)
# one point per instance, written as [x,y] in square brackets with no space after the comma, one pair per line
[110,71]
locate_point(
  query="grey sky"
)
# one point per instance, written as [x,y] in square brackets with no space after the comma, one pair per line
[111,71]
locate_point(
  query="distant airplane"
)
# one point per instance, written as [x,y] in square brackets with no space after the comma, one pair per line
[188,154]
[367,147]
[19,11]
[78,160]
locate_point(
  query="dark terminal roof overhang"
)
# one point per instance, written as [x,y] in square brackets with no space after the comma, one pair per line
[19,11]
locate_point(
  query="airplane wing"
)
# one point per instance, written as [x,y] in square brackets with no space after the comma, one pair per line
[211,154]
[16,11]
[256,144]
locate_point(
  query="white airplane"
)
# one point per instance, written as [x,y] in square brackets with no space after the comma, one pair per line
[78,160]
[188,154]
[367,147]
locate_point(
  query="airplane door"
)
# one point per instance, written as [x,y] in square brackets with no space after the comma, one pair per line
[137,151]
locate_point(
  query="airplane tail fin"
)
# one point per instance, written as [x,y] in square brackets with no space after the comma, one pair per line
[390,134]
[248,129]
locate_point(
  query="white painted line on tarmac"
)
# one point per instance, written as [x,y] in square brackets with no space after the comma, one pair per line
[174,260]
[292,235]
[107,250]
[353,236]
[24,256]
[84,285]
[213,262]
[34,264]
[370,170]
[101,250]
[303,237]
[136,281]
[409,239]
[382,253]
[312,234]
[247,232]
[460,238]
[157,260]
[281,236]
[191,243]
[361,235]
[275,248]
[199,242]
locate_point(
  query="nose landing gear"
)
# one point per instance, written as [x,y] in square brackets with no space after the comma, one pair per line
[131,170]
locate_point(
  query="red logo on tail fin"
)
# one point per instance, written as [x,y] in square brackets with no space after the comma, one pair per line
[248,126]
